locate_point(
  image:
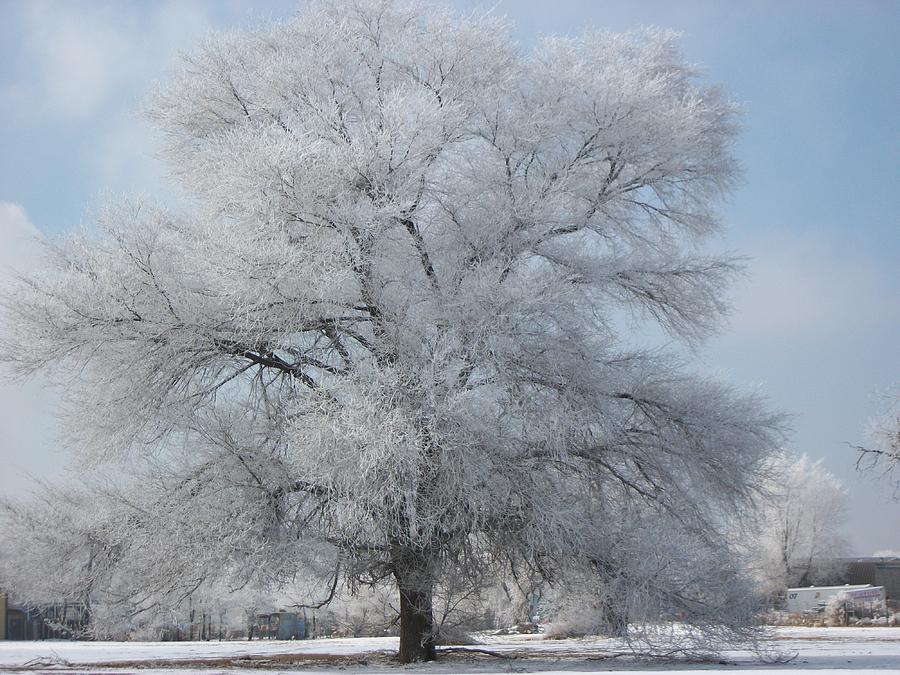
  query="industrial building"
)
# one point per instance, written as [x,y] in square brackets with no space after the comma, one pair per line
[883,572]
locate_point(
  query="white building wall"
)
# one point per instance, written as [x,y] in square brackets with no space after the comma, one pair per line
[813,597]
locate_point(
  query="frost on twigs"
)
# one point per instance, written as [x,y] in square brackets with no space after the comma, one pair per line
[881,453]
[384,340]
[660,588]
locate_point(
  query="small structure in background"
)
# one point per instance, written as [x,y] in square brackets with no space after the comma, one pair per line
[50,621]
[281,625]
[865,601]
[859,600]
[814,598]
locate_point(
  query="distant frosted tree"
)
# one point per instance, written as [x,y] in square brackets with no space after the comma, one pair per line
[882,453]
[801,524]
[388,334]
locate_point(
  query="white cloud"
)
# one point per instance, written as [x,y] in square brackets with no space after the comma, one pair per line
[20,240]
[26,410]
[89,65]
[125,159]
[807,286]
[886,553]
[81,56]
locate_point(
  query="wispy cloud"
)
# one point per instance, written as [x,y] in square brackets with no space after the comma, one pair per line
[26,410]
[21,240]
[809,285]
[80,55]
[887,553]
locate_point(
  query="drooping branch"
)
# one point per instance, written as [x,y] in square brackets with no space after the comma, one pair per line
[424,258]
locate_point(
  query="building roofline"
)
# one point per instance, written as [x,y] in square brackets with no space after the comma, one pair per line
[843,587]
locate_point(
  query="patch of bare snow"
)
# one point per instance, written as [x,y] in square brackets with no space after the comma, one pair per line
[838,650]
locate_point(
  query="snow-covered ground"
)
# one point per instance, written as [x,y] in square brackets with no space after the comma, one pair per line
[838,650]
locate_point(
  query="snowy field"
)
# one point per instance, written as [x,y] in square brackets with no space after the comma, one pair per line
[837,650]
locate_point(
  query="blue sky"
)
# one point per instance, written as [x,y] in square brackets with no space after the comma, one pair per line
[816,321]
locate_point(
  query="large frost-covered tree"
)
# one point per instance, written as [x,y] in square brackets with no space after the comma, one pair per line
[390,327]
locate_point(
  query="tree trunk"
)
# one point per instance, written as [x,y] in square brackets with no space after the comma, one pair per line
[615,618]
[416,619]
